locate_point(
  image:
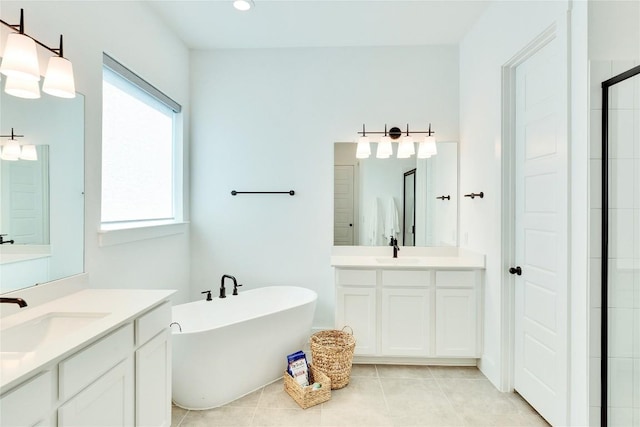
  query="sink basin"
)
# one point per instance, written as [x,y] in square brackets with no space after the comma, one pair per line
[35,333]
[399,260]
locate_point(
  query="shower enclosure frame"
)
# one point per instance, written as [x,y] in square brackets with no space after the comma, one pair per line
[605,239]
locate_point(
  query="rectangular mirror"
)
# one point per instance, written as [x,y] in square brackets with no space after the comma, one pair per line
[42,201]
[413,200]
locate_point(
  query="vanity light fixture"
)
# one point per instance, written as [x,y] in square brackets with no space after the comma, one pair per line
[243,5]
[406,147]
[12,150]
[363,150]
[427,147]
[20,65]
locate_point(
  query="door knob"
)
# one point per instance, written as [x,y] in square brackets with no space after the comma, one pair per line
[516,270]
[350,225]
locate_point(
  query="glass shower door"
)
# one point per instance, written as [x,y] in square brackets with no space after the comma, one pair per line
[621,250]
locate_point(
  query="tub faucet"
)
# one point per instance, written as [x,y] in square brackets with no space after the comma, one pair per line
[394,243]
[223,293]
[2,241]
[22,303]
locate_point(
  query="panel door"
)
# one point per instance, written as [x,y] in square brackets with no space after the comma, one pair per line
[456,323]
[405,322]
[153,382]
[108,402]
[343,205]
[356,308]
[541,166]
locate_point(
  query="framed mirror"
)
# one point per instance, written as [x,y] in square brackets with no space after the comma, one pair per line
[413,200]
[42,201]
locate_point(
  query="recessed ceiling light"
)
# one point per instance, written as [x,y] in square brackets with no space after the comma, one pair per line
[243,5]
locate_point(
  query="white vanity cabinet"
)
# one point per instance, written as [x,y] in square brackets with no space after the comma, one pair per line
[356,293]
[122,379]
[405,313]
[408,313]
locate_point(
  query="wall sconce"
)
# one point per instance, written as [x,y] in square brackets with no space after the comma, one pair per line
[12,150]
[22,71]
[406,147]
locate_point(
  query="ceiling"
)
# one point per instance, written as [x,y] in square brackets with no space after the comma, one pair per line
[215,24]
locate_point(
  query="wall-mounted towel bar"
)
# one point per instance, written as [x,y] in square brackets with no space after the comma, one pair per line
[474,195]
[447,197]
[291,193]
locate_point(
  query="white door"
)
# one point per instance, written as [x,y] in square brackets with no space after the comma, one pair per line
[343,224]
[541,171]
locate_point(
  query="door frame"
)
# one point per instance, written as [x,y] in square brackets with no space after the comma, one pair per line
[508,209]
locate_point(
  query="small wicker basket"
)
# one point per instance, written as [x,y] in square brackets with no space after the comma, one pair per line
[332,353]
[307,396]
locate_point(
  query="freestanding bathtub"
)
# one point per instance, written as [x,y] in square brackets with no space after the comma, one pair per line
[230,347]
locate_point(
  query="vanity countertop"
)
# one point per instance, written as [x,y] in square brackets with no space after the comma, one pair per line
[107,308]
[408,258]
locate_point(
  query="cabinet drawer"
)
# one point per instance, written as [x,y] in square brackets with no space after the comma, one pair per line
[149,324]
[356,277]
[29,403]
[456,278]
[406,278]
[87,365]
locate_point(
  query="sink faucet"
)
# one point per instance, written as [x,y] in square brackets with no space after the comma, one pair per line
[2,241]
[222,289]
[394,243]
[22,303]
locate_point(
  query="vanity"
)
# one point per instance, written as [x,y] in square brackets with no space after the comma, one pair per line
[423,307]
[94,357]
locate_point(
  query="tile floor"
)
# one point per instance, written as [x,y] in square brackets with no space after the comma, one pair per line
[379,395]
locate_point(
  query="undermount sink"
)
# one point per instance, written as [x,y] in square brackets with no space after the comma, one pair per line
[399,260]
[48,328]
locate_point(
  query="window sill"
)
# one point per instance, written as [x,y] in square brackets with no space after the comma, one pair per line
[118,234]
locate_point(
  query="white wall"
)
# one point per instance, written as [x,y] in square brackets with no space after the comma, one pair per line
[130,32]
[266,120]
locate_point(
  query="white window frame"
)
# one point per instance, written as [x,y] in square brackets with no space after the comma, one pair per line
[113,233]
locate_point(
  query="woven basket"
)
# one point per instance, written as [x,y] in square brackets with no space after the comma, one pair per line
[332,353]
[307,396]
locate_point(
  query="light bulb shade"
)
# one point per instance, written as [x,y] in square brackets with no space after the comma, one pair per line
[20,58]
[243,5]
[22,88]
[364,148]
[384,150]
[11,150]
[59,78]
[29,153]
[406,148]
[427,148]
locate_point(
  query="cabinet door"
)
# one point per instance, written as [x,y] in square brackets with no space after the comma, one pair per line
[153,382]
[28,404]
[405,322]
[106,402]
[356,307]
[456,322]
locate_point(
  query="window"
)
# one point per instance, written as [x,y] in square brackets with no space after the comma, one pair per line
[140,172]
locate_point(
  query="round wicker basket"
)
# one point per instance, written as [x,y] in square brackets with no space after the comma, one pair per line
[332,353]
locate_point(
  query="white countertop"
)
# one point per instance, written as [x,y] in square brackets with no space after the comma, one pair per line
[381,257]
[121,306]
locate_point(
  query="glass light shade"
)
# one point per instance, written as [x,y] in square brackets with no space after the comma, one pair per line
[59,78]
[22,88]
[20,58]
[384,150]
[243,5]
[29,152]
[406,148]
[427,148]
[11,150]
[364,148]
